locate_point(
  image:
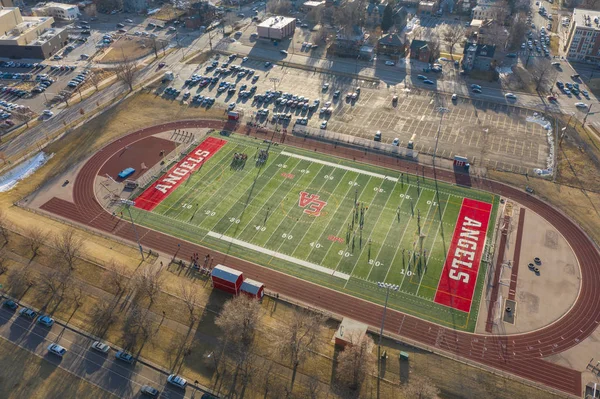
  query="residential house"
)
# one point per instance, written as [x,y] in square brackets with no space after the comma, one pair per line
[400,18]
[374,14]
[478,56]
[348,45]
[419,50]
[202,13]
[391,44]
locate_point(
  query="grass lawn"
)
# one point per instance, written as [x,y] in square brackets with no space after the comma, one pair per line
[374,225]
[129,47]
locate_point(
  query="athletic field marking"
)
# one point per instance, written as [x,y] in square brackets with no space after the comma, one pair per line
[433,245]
[403,234]
[315,218]
[386,237]
[279,255]
[348,168]
[371,203]
[323,233]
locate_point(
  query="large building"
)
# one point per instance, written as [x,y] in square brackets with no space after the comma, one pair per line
[65,12]
[584,41]
[277,28]
[490,9]
[29,37]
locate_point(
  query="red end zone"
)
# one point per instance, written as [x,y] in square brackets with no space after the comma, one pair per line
[459,277]
[179,173]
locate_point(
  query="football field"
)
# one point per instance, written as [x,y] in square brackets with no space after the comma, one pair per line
[337,223]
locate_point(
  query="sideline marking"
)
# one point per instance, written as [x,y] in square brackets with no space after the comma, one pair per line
[279,255]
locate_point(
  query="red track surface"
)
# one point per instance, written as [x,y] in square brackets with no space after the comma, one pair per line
[517,354]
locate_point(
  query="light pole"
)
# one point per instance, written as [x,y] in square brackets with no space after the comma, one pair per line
[128,204]
[442,111]
[387,287]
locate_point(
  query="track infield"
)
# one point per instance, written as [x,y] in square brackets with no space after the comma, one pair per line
[334,222]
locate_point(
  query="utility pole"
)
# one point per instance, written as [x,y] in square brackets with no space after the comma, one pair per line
[128,204]
[387,288]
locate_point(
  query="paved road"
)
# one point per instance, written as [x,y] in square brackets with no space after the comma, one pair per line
[102,370]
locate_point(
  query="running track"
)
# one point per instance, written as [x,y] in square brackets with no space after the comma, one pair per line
[521,355]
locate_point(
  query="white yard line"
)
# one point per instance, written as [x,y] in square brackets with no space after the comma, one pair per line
[341,227]
[266,202]
[386,236]
[348,168]
[372,230]
[405,271]
[282,220]
[193,187]
[278,255]
[398,248]
[215,193]
[314,219]
[244,193]
[342,258]
[434,241]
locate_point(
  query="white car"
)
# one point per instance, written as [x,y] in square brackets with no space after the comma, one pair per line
[48,113]
[176,380]
[390,63]
[324,125]
[581,105]
[100,347]
[57,350]
[244,59]
[396,142]
[454,97]
[510,96]
[231,106]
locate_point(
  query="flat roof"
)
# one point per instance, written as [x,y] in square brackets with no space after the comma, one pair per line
[226,273]
[349,327]
[276,22]
[60,5]
[586,18]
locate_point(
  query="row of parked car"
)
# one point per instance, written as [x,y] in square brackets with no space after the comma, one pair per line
[15,91]
[78,80]
[12,64]
[97,346]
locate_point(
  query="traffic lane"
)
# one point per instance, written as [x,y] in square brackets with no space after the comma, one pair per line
[103,370]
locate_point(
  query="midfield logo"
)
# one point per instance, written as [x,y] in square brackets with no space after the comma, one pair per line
[312,201]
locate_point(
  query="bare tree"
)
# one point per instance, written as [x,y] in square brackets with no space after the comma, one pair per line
[451,35]
[418,32]
[76,294]
[35,239]
[313,388]
[53,284]
[355,362]
[434,47]
[349,16]
[279,7]
[188,293]
[68,247]
[516,31]
[421,387]
[4,226]
[18,280]
[137,328]
[126,72]
[148,283]
[542,73]
[299,339]
[3,262]
[102,316]
[94,79]
[115,276]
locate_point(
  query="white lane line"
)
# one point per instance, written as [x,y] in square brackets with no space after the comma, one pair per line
[335,165]
[278,255]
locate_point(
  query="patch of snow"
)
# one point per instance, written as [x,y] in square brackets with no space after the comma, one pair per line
[9,180]
[540,120]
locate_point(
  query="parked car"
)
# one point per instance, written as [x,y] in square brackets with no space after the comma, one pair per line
[581,105]
[100,347]
[45,320]
[176,380]
[10,304]
[28,313]
[377,136]
[396,142]
[124,356]
[57,350]
[510,96]
[390,63]
[149,391]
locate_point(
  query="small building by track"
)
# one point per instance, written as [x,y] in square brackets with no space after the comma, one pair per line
[227,279]
[253,288]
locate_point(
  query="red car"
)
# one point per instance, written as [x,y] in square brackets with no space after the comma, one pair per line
[552,99]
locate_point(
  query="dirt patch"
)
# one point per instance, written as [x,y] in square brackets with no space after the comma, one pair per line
[529,301]
[551,239]
[128,47]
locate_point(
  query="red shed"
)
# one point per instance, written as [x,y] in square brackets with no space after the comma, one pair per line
[227,279]
[253,288]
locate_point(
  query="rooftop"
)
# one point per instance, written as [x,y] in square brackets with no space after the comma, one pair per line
[312,3]
[589,19]
[56,5]
[276,22]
